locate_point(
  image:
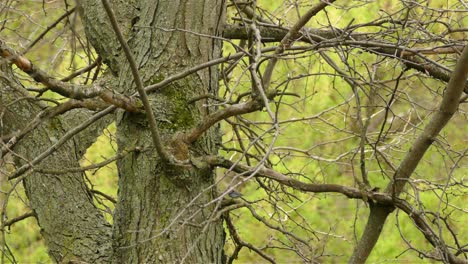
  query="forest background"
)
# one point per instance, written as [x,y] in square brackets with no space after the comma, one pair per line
[322,144]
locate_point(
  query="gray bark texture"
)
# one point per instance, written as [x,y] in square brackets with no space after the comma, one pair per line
[161,216]
[73,228]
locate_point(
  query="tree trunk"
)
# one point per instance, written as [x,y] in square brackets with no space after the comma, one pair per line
[161,215]
[73,228]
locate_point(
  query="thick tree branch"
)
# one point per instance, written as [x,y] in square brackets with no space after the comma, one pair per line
[274,33]
[448,107]
[73,91]
[232,110]
[349,192]
[381,203]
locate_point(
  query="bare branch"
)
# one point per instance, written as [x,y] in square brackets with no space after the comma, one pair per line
[447,108]
[85,69]
[289,38]
[139,85]
[60,142]
[16,220]
[51,26]
[73,91]
[274,33]
[288,181]
[233,110]
[241,243]
[108,197]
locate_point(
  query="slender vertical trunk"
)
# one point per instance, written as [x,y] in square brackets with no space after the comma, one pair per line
[447,108]
[377,216]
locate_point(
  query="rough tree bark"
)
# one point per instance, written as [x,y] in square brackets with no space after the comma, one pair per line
[154,198]
[73,228]
[165,211]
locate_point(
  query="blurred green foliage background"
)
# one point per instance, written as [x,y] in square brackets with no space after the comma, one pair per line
[335,221]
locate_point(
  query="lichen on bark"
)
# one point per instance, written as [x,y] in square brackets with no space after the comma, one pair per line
[161,215]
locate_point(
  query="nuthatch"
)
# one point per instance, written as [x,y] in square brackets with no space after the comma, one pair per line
[234,194]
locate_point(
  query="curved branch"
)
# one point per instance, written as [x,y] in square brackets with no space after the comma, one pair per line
[73,91]
[447,108]
[139,85]
[233,110]
[289,38]
[274,33]
[349,192]
[241,243]
[381,204]
[16,220]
